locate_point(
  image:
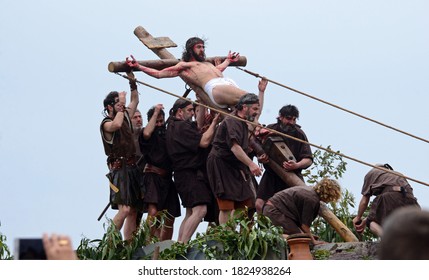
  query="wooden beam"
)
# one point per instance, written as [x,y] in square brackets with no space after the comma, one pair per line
[159,64]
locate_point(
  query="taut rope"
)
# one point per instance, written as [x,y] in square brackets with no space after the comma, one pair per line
[333,105]
[272,130]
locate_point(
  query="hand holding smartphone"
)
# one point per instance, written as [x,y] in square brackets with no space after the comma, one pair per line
[29,249]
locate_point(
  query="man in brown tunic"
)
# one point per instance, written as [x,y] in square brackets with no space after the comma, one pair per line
[391,192]
[295,208]
[161,194]
[137,123]
[229,167]
[185,147]
[271,182]
[117,136]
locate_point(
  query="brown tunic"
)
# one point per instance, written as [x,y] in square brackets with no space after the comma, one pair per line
[127,178]
[379,183]
[229,178]
[160,190]
[183,140]
[293,207]
[270,182]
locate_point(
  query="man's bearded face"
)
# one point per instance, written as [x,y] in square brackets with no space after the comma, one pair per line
[198,52]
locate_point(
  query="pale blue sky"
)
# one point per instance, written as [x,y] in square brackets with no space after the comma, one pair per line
[370,57]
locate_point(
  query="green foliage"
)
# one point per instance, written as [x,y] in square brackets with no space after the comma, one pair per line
[4,249]
[177,251]
[111,246]
[325,164]
[240,238]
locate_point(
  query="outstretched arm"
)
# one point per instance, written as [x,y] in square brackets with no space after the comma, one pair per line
[168,72]
[232,57]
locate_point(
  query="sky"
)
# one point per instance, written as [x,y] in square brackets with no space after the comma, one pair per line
[370,57]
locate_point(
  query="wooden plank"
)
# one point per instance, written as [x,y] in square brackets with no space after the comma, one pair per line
[159,64]
[160,42]
[145,36]
[277,149]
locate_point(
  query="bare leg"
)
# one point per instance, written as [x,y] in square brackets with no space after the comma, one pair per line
[227,94]
[130,224]
[376,229]
[192,222]
[167,228]
[151,220]
[259,204]
[120,217]
[183,224]
[224,216]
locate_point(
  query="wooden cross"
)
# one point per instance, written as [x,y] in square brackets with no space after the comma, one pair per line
[158,46]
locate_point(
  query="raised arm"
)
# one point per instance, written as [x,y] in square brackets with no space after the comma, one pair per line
[232,57]
[168,72]
[262,86]
[150,127]
[132,107]
[112,126]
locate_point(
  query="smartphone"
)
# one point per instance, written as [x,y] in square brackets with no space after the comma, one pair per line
[29,249]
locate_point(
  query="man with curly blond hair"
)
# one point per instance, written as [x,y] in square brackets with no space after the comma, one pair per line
[294,209]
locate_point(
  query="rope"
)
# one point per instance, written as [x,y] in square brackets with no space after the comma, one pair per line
[333,105]
[273,131]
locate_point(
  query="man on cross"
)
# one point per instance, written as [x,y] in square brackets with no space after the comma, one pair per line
[222,91]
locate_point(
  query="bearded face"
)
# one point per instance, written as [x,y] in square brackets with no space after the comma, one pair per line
[251,112]
[198,52]
[288,128]
[250,118]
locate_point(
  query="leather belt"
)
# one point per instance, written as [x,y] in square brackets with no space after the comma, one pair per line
[149,168]
[119,162]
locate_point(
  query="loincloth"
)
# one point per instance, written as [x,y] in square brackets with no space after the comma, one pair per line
[210,85]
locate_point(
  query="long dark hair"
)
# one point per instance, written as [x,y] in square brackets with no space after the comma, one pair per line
[190,43]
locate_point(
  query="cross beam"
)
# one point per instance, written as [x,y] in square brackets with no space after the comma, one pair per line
[159,64]
[158,46]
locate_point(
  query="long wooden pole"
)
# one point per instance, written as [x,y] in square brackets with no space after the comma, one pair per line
[121,66]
